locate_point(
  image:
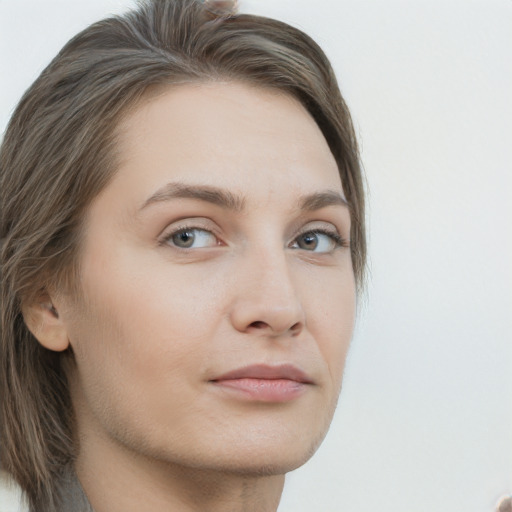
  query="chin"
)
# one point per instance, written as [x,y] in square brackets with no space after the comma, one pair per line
[259,456]
[261,465]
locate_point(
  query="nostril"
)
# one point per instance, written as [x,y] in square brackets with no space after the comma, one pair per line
[258,325]
[296,328]
[262,327]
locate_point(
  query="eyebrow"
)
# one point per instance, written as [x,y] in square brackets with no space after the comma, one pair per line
[236,203]
[319,200]
[207,194]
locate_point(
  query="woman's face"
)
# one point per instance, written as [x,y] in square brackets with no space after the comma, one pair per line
[218,289]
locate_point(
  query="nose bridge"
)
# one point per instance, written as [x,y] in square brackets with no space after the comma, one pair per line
[275,278]
[267,299]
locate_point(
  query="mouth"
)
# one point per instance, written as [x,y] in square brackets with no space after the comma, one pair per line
[265,383]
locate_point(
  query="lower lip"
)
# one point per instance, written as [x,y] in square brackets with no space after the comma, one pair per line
[263,390]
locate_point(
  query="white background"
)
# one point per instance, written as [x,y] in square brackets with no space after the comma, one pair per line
[425,418]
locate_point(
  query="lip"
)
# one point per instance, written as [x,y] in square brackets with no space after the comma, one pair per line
[264,383]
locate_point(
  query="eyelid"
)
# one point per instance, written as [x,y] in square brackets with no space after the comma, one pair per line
[331,233]
[205,224]
[188,223]
[320,226]
[334,236]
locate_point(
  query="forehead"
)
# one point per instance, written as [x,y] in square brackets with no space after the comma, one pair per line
[224,134]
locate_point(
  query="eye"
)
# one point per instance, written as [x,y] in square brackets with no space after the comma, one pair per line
[192,238]
[320,241]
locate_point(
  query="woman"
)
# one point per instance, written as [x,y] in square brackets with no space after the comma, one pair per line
[182,243]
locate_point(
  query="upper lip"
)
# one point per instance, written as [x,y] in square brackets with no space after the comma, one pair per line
[269,372]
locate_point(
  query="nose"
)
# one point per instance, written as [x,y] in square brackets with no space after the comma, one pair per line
[266,299]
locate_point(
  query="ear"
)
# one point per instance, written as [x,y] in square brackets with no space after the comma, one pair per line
[44,322]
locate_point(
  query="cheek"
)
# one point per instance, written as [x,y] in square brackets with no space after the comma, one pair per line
[136,348]
[142,345]
[331,318]
[158,320]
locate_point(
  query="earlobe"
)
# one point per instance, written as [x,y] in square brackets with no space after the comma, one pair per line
[44,322]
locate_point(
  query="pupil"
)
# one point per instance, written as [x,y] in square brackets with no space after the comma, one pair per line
[184,239]
[309,241]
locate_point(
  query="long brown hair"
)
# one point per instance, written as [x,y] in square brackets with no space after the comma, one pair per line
[59,151]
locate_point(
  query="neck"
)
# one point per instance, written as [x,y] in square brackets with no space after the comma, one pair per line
[119,481]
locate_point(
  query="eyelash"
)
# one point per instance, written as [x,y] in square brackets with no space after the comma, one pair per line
[333,235]
[338,240]
[167,239]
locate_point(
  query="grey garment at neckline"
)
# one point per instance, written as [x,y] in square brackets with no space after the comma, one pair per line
[72,497]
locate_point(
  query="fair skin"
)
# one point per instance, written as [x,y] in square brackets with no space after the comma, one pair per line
[221,245]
